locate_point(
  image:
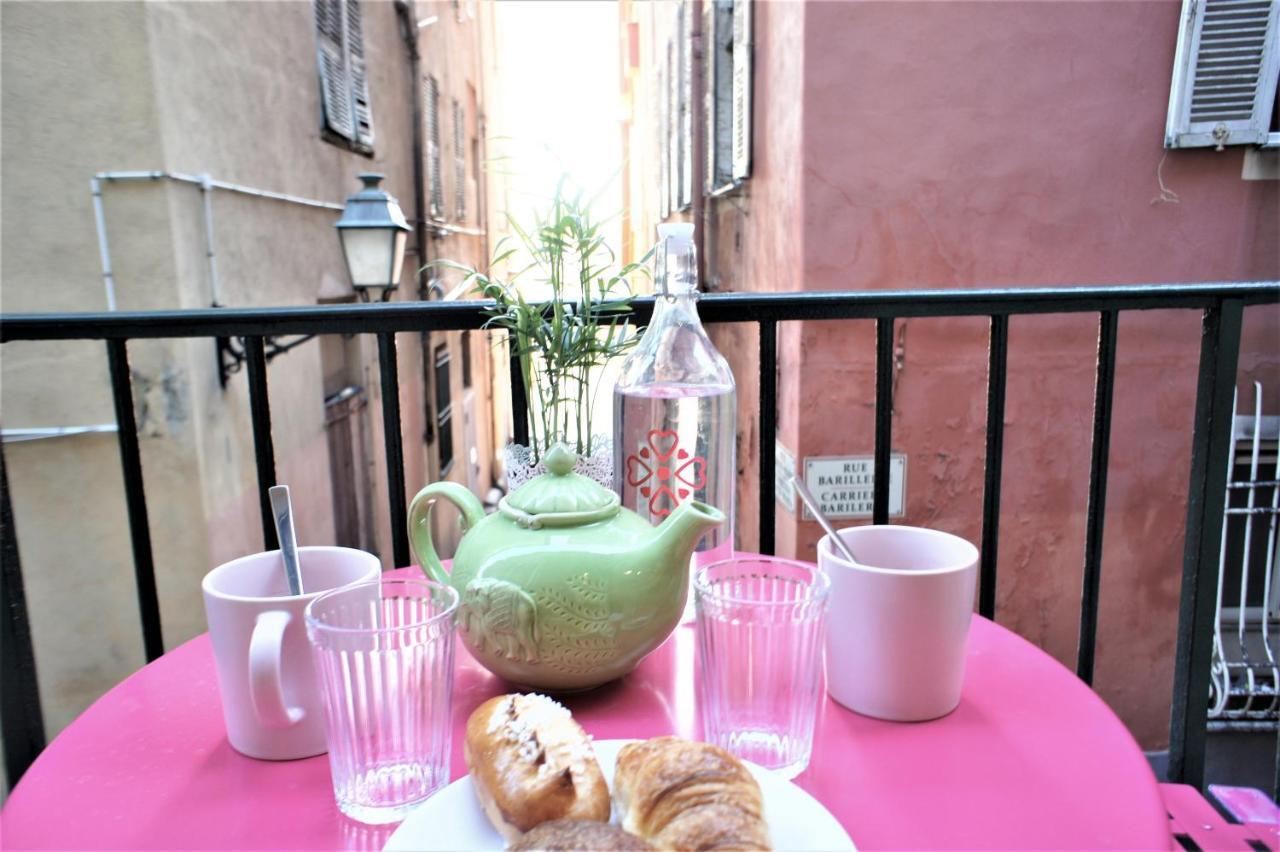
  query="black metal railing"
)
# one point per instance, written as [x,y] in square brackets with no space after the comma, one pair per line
[1222,306]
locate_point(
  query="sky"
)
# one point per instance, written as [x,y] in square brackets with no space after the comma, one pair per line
[559,78]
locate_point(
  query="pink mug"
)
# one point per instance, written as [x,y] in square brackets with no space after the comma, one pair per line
[270,696]
[899,620]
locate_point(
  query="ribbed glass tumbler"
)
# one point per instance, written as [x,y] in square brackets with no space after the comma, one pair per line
[761,624]
[384,657]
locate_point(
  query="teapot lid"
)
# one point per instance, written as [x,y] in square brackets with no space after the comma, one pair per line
[559,497]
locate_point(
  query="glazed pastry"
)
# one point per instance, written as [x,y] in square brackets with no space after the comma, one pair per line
[574,834]
[531,763]
[678,794]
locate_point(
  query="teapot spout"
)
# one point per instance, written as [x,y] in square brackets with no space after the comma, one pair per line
[676,537]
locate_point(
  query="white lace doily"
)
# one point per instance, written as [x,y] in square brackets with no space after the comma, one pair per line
[517,459]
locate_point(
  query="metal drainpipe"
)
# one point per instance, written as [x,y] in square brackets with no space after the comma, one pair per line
[409,30]
[104,249]
[206,193]
[206,185]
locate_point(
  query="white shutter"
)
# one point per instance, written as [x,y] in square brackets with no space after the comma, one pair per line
[361,109]
[742,47]
[435,189]
[1224,73]
[686,104]
[335,82]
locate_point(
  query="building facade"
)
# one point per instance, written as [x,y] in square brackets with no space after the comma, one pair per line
[225,138]
[888,145]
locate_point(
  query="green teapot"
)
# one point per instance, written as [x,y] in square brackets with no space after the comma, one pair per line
[562,589]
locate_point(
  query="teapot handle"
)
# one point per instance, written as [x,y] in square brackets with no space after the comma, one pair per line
[424,551]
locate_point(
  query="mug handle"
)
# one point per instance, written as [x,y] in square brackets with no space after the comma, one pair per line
[266,688]
[424,551]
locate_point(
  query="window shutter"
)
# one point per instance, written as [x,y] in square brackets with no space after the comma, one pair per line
[685,31]
[431,94]
[459,162]
[335,82]
[717,80]
[664,165]
[741,89]
[362,110]
[1224,73]
[344,88]
[673,125]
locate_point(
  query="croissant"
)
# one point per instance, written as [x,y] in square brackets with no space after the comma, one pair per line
[678,794]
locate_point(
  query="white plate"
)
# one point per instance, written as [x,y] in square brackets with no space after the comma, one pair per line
[452,819]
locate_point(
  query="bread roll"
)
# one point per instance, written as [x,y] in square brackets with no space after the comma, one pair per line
[531,763]
[569,835]
[678,794]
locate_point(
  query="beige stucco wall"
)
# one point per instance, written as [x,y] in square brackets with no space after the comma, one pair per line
[228,89]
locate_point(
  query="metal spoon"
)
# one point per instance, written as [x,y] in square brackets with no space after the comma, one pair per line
[836,539]
[283,511]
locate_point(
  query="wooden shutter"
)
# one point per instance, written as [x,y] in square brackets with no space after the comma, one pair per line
[344,87]
[685,144]
[335,82]
[673,126]
[717,81]
[361,109]
[431,96]
[459,161]
[664,150]
[1224,74]
[742,48]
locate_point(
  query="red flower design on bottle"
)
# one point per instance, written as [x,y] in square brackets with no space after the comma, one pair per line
[664,472]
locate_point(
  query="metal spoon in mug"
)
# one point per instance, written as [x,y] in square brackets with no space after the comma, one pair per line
[835,537]
[283,511]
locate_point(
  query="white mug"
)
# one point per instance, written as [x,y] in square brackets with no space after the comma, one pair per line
[270,696]
[899,620]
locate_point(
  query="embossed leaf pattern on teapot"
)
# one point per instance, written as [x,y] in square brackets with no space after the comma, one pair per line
[561,588]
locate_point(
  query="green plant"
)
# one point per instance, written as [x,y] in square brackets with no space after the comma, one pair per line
[576,325]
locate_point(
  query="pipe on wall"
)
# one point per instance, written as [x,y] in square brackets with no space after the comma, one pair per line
[206,185]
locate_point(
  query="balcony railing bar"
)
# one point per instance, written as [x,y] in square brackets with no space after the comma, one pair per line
[519,402]
[1222,305]
[20,697]
[1104,392]
[395,451]
[1206,496]
[768,432]
[884,419]
[263,445]
[997,372]
[135,496]
[713,307]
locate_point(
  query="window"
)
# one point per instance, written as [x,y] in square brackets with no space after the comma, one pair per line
[673,125]
[742,47]
[459,161]
[344,89]
[435,192]
[1224,74]
[444,408]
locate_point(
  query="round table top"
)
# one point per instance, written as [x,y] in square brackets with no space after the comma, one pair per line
[1031,758]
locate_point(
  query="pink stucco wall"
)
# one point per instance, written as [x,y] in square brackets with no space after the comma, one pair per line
[964,144]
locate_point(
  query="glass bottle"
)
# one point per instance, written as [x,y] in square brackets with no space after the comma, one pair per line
[674,409]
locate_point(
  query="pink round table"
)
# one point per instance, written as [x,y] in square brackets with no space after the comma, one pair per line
[1031,759]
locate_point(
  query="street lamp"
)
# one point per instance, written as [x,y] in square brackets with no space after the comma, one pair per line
[373,233]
